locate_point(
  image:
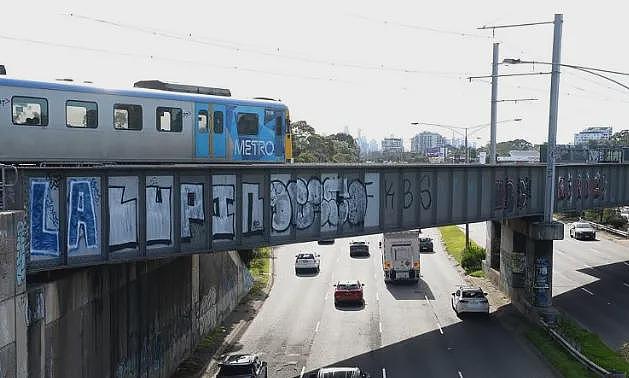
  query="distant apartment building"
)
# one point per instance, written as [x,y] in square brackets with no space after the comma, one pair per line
[426,140]
[592,133]
[392,145]
[374,145]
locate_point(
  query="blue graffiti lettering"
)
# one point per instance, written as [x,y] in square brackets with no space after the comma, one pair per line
[81,215]
[44,232]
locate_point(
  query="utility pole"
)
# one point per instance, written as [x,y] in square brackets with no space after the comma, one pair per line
[494,105]
[552,121]
[467,225]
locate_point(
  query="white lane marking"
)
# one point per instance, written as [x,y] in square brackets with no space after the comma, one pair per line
[384,373]
[303,370]
[460,374]
[326,296]
[587,291]
[317,327]
[626,263]
[588,266]
[380,326]
[434,313]
[626,284]
[377,297]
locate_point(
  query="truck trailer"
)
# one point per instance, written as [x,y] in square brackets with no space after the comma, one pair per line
[400,256]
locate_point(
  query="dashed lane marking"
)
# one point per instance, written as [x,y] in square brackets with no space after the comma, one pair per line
[317,327]
[626,284]
[303,370]
[434,313]
[460,374]
[384,373]
[587,291]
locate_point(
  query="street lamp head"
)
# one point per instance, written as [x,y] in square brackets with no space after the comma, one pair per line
[511,61]
[415,123]
[517,119]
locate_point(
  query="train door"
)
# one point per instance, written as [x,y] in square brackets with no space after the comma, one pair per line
[279,135]
[202,132]
[219,132]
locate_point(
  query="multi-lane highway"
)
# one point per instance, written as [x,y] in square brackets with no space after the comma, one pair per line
[590,282]
[402,331]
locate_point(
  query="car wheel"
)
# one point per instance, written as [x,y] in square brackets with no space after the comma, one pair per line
[317,270]
[296,271]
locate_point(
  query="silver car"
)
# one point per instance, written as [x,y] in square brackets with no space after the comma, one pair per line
[470,299]
[582,230]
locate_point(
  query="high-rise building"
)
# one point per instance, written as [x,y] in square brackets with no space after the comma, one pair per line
[592,133]
[374,145]
[392,145]
[426,140]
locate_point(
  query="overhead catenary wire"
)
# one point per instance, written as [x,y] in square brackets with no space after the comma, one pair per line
[275,52]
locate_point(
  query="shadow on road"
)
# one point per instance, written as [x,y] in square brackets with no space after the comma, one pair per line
[469,348]
[307,273]
[358,306]
[410,290]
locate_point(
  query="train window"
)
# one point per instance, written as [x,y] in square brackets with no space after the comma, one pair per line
[278,126]
[81,114]
[127,117]
[169,119]
[30,111]
[202,121]
[268,116]
[218,122]
[247,124]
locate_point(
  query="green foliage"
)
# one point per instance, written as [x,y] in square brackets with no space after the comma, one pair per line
[556,355]
[472,259]
[620,138]
[592,346]
[260,268]
[503,148]
[310,147]
[608,216]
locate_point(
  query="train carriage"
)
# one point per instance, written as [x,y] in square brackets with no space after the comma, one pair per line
[155,123]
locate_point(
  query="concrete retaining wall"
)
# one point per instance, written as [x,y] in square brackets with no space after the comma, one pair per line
[129,320]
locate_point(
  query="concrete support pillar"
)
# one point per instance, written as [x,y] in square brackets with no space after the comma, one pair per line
[526,261]
[13,297]
[492,246]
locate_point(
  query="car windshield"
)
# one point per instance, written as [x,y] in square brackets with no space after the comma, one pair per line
[582,225]
[305,256]
[235,370]
[473,294]
[424,239]
[352,286]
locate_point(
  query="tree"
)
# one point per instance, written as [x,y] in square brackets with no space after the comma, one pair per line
[620,138]
[310,147]
[503,148]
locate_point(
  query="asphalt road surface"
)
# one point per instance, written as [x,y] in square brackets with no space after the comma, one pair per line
[590,282]
[402,331]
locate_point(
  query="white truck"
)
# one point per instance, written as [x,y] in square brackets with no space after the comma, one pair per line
[400,256]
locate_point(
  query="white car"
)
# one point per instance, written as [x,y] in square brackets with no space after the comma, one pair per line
[582,230]
[306,261]
[470,299]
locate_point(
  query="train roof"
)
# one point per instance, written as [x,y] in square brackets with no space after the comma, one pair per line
[138,92]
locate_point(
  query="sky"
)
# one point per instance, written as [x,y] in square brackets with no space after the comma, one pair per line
[374,66]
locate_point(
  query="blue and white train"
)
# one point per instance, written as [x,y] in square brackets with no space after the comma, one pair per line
[156,122]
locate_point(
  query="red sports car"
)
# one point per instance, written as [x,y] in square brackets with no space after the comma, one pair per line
[348,291]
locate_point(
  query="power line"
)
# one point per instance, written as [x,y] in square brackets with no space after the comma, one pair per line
[418,27]
[276,53]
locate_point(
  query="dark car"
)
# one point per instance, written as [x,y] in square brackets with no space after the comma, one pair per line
[425,244]
[358,248]
[341,372]
[325,241]
[242,366]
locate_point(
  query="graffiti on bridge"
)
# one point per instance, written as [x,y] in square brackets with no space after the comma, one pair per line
[331,199]
[581,186]
[510,195]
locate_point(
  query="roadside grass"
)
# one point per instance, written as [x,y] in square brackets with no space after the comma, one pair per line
[556,355]
[260,268]
[454,240]
[593,347]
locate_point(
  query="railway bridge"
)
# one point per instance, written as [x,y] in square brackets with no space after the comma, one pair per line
[70,217]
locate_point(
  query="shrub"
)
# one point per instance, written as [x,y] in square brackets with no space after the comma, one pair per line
[472,259]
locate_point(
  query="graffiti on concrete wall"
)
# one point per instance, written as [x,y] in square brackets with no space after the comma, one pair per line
[542,271]
[159,211]
[581,186]
[329,201]
[512,194]
[252,209]
[123,213]
[192,210]
[20,258]
[224,207]
[83,215]
[44,217]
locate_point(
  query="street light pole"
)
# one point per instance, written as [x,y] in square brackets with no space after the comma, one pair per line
[494,105]
[467,225]
[552,121]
